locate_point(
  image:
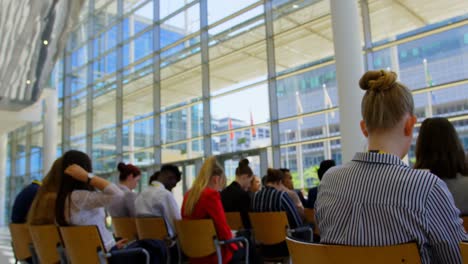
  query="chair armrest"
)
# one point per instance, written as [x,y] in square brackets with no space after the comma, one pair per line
[128,252]
[301,229]
[233,240]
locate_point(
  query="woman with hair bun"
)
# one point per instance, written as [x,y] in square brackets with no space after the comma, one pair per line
[129,177]
[235,197]
[376,199]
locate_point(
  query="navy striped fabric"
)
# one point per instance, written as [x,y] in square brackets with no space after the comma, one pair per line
[377,200]
[271,200]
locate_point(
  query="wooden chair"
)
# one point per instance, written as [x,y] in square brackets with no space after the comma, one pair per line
[271,228]
[464,251]
[125,227]
[83,244]
[155,228]
[21,241]
[465,223]
[46,238]
[310,218]
[234,220]
[198,238]
[151,228]
[302,253]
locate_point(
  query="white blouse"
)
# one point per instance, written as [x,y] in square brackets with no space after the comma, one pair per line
[87,208]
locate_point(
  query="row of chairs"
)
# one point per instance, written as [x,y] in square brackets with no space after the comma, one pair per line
[71,244]
[83,243]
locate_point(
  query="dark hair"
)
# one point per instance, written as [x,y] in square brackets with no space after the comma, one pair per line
[126,170]
[284,170]
[324,166]
[172,169]
[154,177]
[244,168]
[438,148]
[274,175]
[69,184]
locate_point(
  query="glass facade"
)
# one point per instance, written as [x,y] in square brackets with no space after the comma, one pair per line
[151,82]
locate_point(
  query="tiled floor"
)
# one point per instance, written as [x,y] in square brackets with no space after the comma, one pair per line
[6,254]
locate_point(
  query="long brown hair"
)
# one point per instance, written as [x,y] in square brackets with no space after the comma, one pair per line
[386,101]
[209,169]
[69,184]
[438,148]
[43,207]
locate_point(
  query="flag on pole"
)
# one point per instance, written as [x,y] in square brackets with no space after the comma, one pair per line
[252,128]
[327,101]
[300,110]
[231,134]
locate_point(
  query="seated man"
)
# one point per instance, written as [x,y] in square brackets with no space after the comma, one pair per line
[271,198]
[23,202]
[157,199]
[312,196]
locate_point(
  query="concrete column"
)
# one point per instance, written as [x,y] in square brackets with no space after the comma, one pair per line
[49,134]
[3,173]
[349,69]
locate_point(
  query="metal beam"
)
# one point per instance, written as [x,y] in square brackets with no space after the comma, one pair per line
[89,83]
[366,25]
[157,85]
[273,99]
[119,90]
[204,38]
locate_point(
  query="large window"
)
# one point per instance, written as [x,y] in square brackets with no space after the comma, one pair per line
[169,93]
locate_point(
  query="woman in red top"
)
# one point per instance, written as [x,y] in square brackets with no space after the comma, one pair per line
[203,201]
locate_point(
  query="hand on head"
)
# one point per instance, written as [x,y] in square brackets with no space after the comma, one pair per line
[77,173]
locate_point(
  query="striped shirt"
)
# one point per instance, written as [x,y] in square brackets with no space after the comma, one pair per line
[271,200]
[377,200]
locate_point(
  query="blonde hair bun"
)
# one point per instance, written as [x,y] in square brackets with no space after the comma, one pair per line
[378,81]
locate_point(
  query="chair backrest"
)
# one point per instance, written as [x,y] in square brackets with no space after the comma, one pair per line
[302,253]
[21,239]
[81,243]
[234,220]
[464,251]
[310,218]
[465,223]
[151,228]
[269,228]
[196,237]
[125,227]
[45,239]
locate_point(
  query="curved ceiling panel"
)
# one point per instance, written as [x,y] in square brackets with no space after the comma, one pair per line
[32,36]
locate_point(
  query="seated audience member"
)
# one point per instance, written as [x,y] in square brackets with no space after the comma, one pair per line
[255,185]
[272,198]
[129,177]
[23,202]
[235,197]
[203,201]
[296,195]
[77,201]
[156,200]
[42,210]
[439,150]
[376,199]
[312,196]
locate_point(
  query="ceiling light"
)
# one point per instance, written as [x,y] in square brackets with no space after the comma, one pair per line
[295,6]
[45,42]
[28,82]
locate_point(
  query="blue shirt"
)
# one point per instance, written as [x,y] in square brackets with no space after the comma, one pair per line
[271,200]
[23,202]
[377,200]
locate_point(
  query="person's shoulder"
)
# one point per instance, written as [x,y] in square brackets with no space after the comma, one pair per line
[209,193]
